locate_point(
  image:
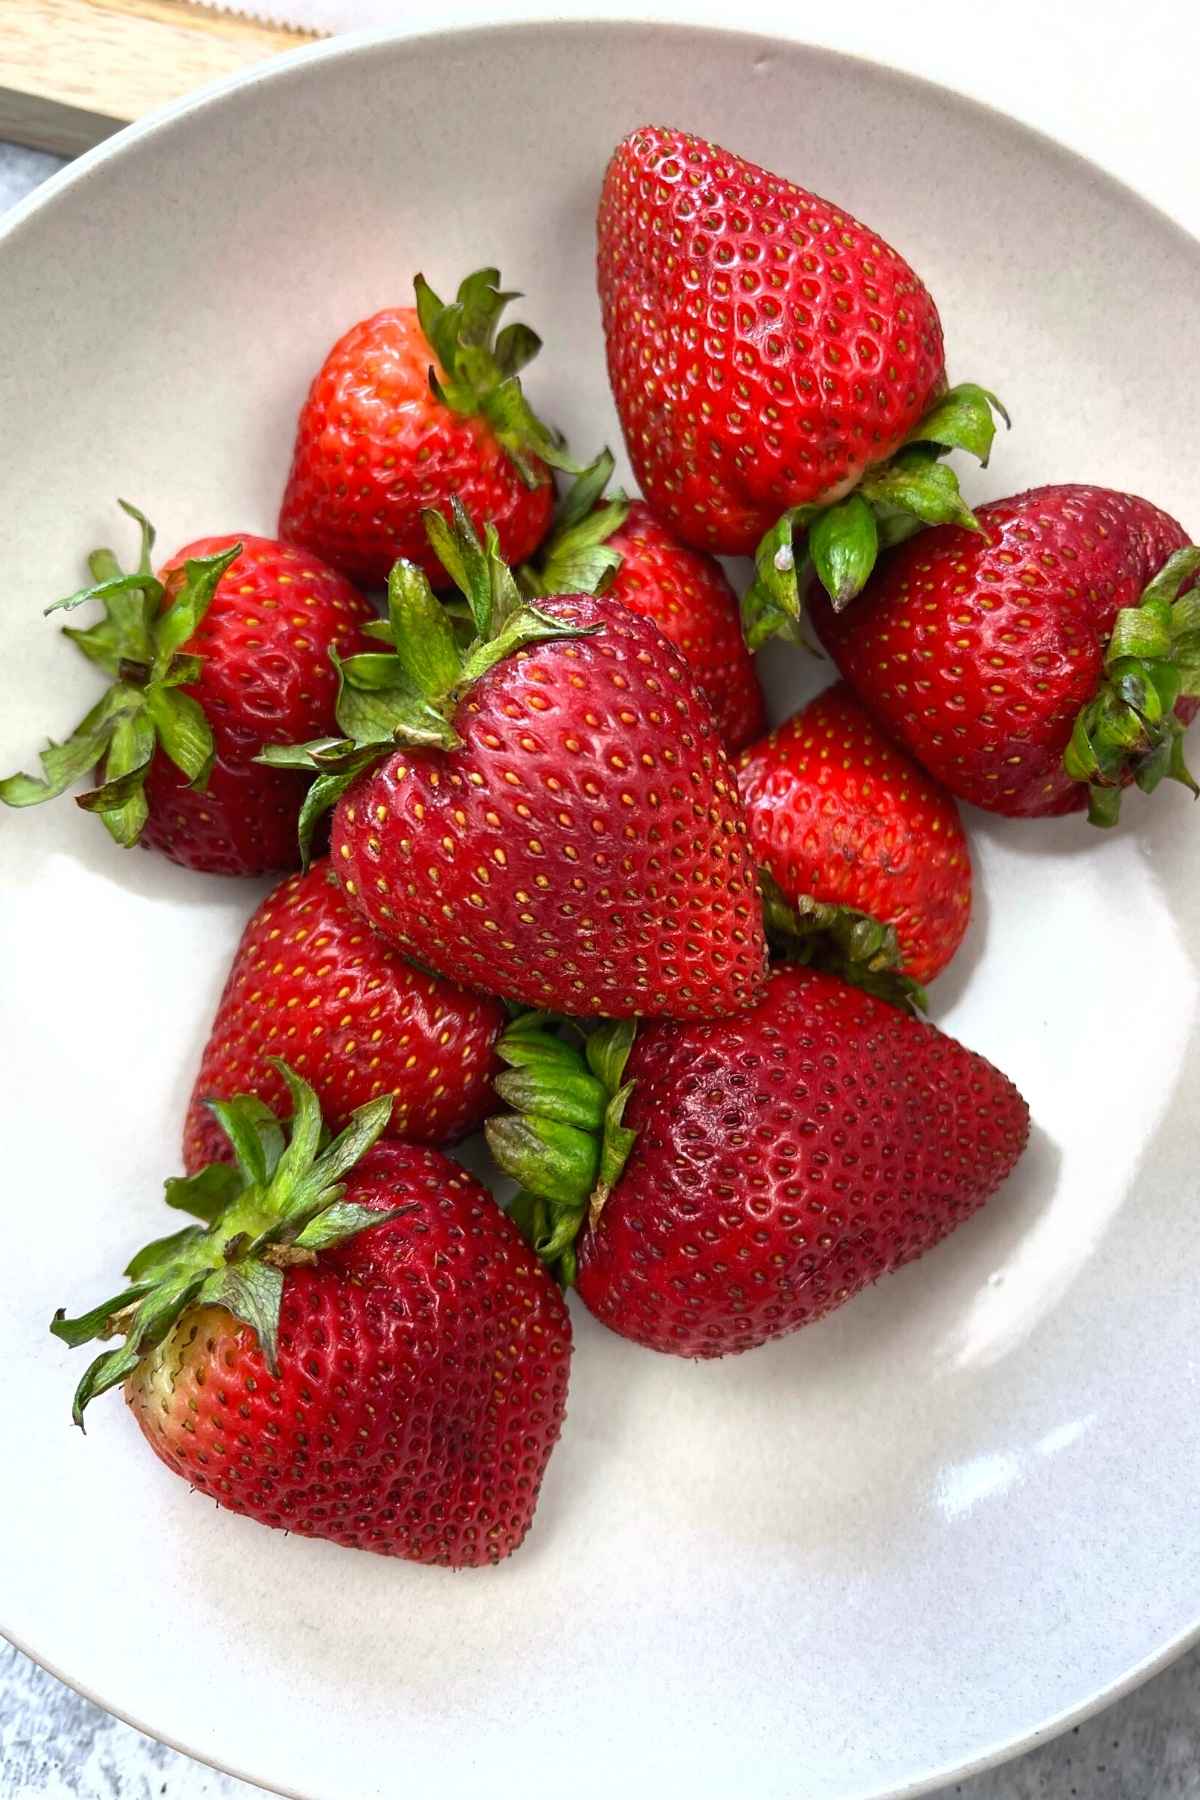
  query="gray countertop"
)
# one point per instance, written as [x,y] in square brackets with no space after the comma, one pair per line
[56,1746]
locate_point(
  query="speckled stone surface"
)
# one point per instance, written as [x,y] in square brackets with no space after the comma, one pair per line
[56,1746]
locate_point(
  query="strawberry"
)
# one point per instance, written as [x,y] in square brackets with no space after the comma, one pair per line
[867,868]
[228,648]
[617,546]
[411,406]
[356,1020]
[777,368]
[354,1344]
[723,1183]
[564,829]
[1041,666]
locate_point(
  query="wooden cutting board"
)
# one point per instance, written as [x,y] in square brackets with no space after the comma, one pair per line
[74,71]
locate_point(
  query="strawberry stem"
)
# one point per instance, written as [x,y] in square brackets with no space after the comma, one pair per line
[139,645]
[1129,730]
[282,1203]
[838,544]
[577,558]
[563,1138]
[480,371]
[407,692]
[840,941]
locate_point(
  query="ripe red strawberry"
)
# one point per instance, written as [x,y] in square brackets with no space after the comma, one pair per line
[750,1174]
[354,1345]
[1039,667]
[565,829]
[312,979]
[868,868]
[769,355]
[227,650]
[410,407]
[617,547]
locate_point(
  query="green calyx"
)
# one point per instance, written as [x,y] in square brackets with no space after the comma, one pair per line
[280,1203]
[1129,728]
[838,544]
[563,1138]
[481,369]
[839,941]
[138,642]
[577,557]
[406,694]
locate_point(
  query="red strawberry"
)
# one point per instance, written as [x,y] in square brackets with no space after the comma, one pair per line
[311,978]
[767,354]
[229,649]
[866,856]
[360,1350]
[617,546]
[565,830]
[1041,666]
[766,1168]
[410,407]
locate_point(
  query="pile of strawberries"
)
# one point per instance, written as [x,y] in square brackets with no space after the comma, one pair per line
[546,872]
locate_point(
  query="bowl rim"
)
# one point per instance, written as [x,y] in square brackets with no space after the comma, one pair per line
[763,23]
[476,18]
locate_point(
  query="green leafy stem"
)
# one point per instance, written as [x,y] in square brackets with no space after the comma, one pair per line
[838,544]
[406,694]
[281,1201]
[563,1138]
[481,370]
[1130,728]
[139,644]
[577,557]
[841,941]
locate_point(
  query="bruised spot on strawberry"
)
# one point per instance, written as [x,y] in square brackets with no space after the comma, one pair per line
[694,1240]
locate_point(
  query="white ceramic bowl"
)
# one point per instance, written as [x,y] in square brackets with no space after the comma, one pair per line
[848,1565]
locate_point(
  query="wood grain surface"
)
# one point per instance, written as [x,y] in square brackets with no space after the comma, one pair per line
[74,71]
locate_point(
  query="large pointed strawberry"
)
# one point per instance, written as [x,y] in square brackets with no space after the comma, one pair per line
[312,980]
[723,1183]
[1043,665]
[778,370]
[411,406]
[228,649]
[354,1344]
[612,545]
[562,827]
[866,866]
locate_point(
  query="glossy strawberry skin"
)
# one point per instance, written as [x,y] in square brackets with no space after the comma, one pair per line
[422,1380]
[689,598]
[977,652]
[764,348]
[583,850]
[787,1159]
[837,813]
[374,447]
[313,982]
[266,679]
